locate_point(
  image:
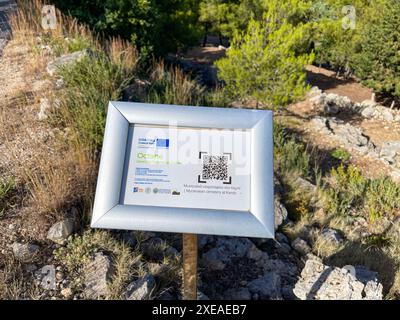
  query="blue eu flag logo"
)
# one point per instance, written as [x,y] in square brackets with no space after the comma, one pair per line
[162,143]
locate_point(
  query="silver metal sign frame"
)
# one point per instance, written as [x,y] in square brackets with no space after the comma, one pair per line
[109,212]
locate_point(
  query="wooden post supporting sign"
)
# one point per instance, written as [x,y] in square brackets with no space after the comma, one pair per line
[189,266]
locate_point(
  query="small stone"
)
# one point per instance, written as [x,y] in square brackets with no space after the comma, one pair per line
[204,239]
[60,231]
[201,296]
[281,213]
[48,281]
[97,275]
[45,105]
[267,287]
[64,60]
[301,246]
[140,289]
[66,293]
[138,90]
[59,83]
[332,235]
[255,254]
[387,116]
[25,252]
[283,248]
[305,185]
[59,275]
[227,248]
[280,237]
[368,112]
[237,294]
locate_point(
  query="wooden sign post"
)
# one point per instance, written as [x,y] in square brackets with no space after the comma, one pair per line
[189,266]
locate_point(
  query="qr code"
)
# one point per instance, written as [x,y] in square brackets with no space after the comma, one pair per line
[215,168]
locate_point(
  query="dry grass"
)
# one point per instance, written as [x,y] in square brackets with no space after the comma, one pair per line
[172,86]
[26,24]
[15,284]
[53,160]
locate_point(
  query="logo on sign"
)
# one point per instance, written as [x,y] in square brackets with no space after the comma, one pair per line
[153,143]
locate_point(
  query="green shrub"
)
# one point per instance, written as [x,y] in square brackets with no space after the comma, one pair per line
[6,188]
[382,198]
[291,157]
[378,60]
[262,64]
[348,190]
[341,154]
[153,26]
[89,85]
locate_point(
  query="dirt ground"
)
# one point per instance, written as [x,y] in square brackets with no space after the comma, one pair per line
[327,81]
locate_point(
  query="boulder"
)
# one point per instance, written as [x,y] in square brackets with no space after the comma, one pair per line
[321,282]
[331,103]
[227,248]
[136,91]
[301,246]
[203,240]
[48,277]
[60,231]
[332,235]
[65,60]
[321,125]
[387,115]
[305,185]
[97,275]
[368,112]
[281,213]
[267,287]
[25,252]
[141,288]
[45,106]
[390,152]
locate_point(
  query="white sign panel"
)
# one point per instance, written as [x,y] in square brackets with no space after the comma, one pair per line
[186,169]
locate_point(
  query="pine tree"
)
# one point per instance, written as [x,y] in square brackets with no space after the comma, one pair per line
[262,64]
[378,62]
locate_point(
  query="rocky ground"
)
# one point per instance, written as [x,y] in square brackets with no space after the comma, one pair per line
[229,268]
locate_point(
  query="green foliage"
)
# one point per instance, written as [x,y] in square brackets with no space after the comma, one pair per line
[89,85]
[382,198]
[347,187]
[229,17]
[7,185]
[80,251]
[262,64]
[154,26]
[348,190]
[378,60]
[341,154]
[291,157]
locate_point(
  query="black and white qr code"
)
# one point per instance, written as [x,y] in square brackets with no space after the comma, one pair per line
[215,167]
